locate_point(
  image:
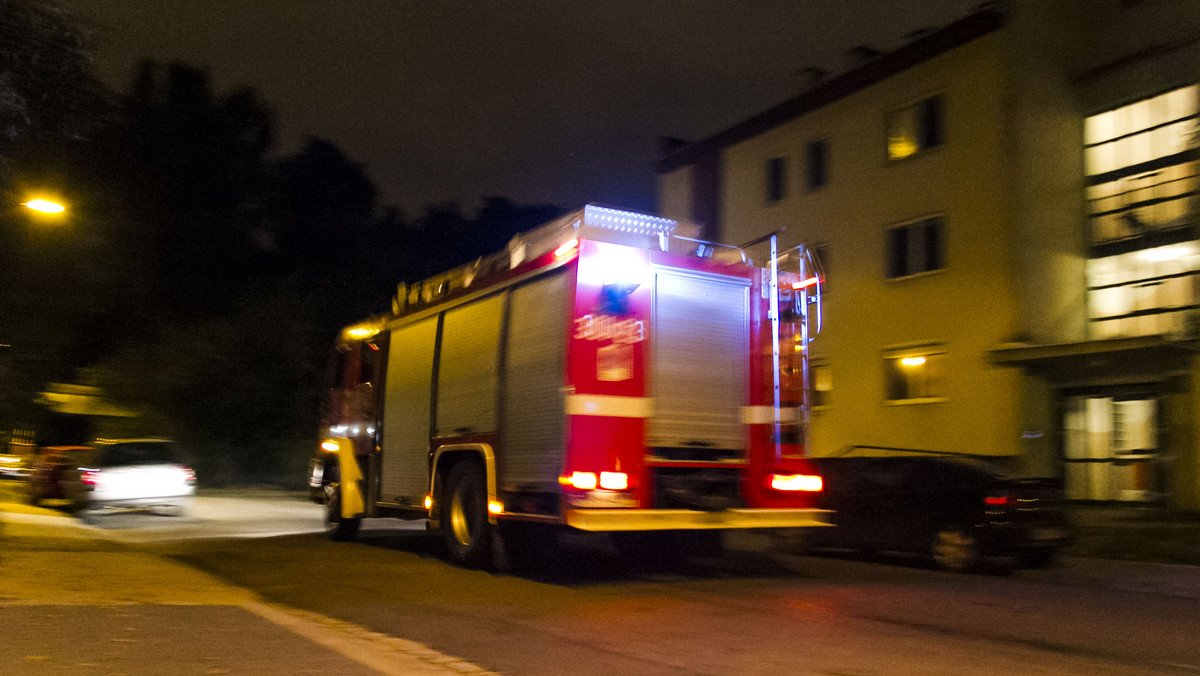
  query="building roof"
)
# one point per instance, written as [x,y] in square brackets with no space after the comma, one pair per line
[919,51]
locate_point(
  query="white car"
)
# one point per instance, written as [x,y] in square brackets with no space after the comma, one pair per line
[131,474]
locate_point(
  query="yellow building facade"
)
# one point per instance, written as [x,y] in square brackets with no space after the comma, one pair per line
[990,227]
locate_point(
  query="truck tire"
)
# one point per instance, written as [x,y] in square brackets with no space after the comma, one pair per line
[464,518]
[337,527]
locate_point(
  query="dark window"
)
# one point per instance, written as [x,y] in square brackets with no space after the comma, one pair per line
[818,164]
[137,453]
[776,179]
[931,122]
[915,248]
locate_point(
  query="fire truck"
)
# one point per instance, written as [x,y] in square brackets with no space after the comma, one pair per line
[605,372]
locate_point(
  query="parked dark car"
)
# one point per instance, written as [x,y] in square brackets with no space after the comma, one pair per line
[956,511]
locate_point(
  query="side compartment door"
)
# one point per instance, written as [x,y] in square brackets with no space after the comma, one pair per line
[406,414]
[469,369]
[532,419]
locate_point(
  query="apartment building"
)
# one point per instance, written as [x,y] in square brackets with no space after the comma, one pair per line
[1006,208]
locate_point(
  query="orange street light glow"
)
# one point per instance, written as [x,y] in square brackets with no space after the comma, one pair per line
[45,206]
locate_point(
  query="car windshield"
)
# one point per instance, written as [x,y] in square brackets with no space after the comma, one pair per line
[137,453]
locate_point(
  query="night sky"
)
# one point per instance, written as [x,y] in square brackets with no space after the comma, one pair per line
[557,101]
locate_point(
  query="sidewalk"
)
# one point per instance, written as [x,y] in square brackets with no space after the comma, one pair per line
[1135,533]
[70,603]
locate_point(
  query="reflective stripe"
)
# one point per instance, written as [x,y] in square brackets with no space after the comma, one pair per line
[687,519]
[616,407]
[765,415]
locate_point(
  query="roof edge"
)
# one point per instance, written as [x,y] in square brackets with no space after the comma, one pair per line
[949,37]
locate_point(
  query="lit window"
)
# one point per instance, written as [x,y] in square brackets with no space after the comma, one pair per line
[776,179]
[916,247]
[1141,166]
[822,384]
[817,171]
[914,375]
[1145,292]
[915,129]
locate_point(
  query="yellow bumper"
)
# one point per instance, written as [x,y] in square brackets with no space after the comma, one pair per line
[684,519]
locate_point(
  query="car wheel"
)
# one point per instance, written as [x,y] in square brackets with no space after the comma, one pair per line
[464,520]
[955,549]
[337,527]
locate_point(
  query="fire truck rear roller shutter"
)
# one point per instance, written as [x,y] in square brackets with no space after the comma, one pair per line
[699,378]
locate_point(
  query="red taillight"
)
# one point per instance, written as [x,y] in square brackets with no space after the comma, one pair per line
[797,482]
[188,475]
[90,477]
[997,500]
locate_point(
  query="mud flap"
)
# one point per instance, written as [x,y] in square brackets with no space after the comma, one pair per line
[351,477]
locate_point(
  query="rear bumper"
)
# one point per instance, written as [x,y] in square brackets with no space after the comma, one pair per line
[685,519]
[99,503]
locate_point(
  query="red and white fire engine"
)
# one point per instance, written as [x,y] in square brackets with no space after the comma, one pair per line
[605,372]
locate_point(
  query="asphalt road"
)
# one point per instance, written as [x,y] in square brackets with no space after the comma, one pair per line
[747,612]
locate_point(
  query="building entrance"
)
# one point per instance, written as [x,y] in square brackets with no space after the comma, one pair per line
[1111,447]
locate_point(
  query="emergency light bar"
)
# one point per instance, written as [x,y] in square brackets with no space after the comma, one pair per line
[626,221]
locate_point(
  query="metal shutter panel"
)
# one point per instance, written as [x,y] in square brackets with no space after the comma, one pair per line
[533,380]
[700,358]
[406,409]
[468,368]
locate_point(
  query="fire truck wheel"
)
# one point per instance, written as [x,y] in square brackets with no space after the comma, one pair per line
[465,529]
[337,527]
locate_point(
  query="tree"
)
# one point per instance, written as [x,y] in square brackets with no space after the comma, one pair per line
[46,85]
[238,391]
[185,174]
[321,207]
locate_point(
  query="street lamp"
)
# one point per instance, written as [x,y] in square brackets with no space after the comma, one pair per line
[44,206]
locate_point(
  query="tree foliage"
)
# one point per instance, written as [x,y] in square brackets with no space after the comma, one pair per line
[46,85]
